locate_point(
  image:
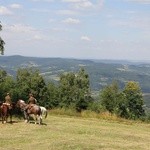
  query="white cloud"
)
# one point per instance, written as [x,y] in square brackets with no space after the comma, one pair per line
[51,20]
[67,12]
[37,37]
[41,10]
[72,1]
[85,4]
[21,34]
[80,4]
[15,6]
[5,11]
[85,38]
[71,21]
[42,0]
[20,28]
[140,23]
[140,1]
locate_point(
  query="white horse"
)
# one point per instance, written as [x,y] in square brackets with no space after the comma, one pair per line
[34,111]
[43,111]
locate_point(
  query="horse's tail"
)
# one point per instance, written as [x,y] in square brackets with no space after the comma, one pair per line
[46,114]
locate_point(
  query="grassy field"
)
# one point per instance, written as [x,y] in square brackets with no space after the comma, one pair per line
[74,133]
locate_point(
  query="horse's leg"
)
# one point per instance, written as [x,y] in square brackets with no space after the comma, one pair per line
[10,118]
[10,115]
[39,119]
[5,116]
[35,118]
[6,119]
[2,119]
[26,116]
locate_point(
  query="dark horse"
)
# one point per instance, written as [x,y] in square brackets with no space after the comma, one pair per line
[29,110]
[6,110]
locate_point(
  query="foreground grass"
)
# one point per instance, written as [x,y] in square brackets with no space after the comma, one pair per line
[74,133]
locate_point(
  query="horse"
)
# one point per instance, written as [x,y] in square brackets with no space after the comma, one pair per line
[30,109]
[6,110]
[43,111]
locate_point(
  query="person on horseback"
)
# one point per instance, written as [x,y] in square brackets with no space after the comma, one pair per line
[8,100]
[31,99]
[31,102]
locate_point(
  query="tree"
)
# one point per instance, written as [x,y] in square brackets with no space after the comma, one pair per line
[109,97]
[127,103]
[134,100]
[7,85]
[83,97]
[1,42]
[52,96]
[67,89]
[74,90]
[30,81]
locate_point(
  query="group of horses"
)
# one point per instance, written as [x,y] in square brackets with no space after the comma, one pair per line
[28,110]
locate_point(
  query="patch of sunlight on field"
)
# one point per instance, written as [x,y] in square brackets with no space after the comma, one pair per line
[75,133]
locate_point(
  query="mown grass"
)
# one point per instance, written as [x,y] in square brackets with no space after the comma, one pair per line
[62,132]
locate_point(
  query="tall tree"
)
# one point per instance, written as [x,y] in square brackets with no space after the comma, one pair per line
[52,95]
[30,81]
[83,92]
[75,90]
[109,97]
[67,89]
[7,84]
[127,103]
[1,42]
[134,100]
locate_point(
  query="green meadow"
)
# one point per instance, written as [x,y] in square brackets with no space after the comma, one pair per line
[62,132]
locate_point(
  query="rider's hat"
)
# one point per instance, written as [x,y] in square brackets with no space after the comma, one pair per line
[30,94]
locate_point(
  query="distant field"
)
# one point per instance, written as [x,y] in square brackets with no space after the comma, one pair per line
[74,133]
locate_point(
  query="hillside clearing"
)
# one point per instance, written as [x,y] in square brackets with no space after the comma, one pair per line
[74,133]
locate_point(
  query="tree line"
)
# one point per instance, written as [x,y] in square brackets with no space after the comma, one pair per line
[73,92]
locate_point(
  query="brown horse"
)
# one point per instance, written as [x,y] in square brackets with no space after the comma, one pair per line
[30,109]
[6,110]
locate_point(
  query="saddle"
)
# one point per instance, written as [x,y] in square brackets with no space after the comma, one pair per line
[29,108]
[7,104]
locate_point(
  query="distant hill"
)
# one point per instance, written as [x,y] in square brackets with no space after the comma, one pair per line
[101,72]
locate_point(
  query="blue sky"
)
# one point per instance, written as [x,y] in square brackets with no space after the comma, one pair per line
[97,29]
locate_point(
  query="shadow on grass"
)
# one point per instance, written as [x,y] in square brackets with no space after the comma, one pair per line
[33,122]
[11,122]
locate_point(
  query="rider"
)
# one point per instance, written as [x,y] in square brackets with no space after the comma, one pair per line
[31,99]
[31,102]
[8,100]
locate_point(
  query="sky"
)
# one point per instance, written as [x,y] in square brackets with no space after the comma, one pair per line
[84,29]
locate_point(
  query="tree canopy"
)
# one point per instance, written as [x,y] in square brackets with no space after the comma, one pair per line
[1,42]
[127,103]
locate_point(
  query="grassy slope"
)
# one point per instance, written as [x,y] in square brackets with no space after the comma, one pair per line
[75,133]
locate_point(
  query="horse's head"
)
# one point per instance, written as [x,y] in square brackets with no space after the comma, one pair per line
[20,103]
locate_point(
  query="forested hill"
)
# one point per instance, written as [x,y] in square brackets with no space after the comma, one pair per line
[101,72]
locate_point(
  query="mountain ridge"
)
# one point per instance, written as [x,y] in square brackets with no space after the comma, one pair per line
[101,72]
